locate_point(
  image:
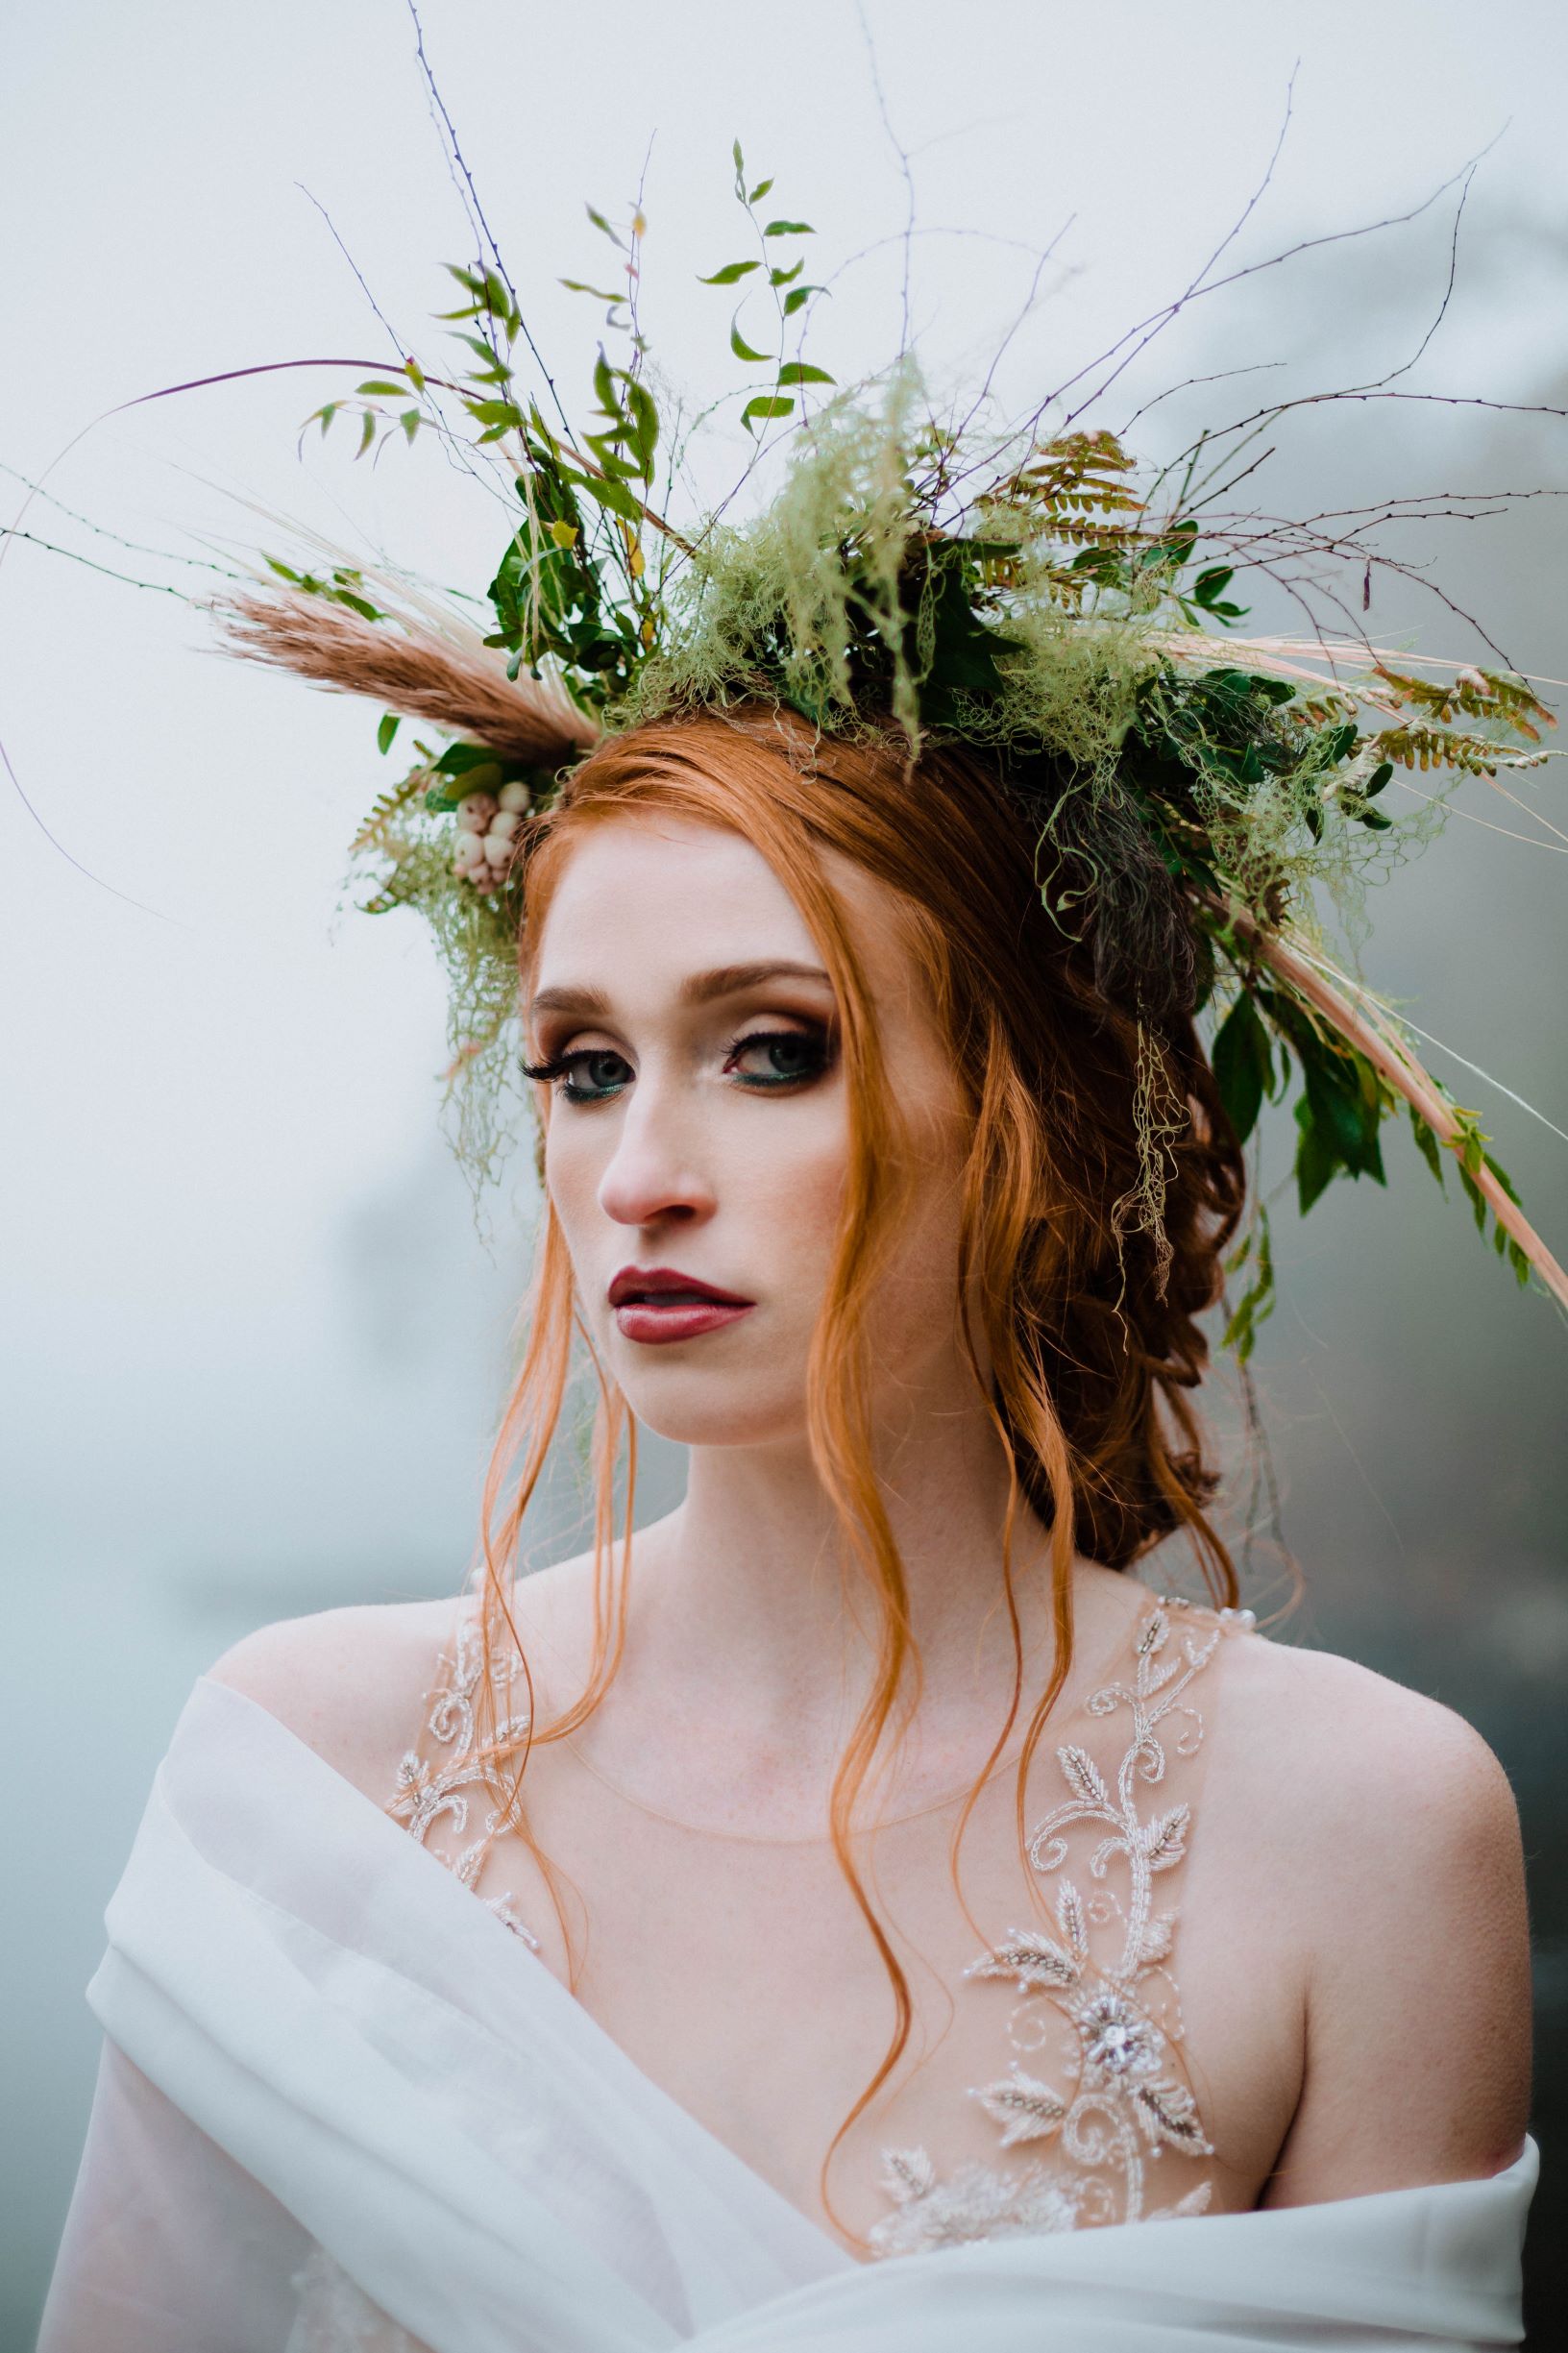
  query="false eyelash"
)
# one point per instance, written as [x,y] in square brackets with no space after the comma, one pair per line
[817,1035]
[547,1072]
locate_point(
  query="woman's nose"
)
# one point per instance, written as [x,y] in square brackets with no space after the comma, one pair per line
[652,1173]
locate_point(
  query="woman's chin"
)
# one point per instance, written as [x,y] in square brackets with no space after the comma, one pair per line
[693,1406]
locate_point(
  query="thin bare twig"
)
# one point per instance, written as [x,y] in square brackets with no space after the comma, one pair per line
[905,169]
[485,233]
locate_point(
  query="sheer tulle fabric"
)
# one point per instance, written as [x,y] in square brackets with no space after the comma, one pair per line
[342,2107]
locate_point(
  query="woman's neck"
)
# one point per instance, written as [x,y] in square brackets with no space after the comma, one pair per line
[747,1642]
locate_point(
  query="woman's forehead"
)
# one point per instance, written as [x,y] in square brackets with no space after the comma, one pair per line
[647,899]
[667,889]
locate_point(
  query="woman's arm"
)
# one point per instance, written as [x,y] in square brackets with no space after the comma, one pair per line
[170,2247]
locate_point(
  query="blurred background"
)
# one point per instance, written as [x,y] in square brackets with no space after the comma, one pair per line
[255,1343]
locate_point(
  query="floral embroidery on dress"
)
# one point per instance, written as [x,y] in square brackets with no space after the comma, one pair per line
[1117,2104]
[445,1792]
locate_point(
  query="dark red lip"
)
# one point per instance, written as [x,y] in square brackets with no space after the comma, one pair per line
[655,1306]
[635,1283]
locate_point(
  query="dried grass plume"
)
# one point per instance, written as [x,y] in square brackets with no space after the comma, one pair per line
[411,667]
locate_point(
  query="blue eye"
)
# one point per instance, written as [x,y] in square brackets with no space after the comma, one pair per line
[588,1074]
[784,1056]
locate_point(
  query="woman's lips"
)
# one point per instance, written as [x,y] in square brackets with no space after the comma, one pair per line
[664,1303]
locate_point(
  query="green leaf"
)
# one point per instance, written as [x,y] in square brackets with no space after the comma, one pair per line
[1317,1162]
[1376,820]
[644,417]
[789,229]
[326,414]
[731,271]
[787,278]
[388,728]
[503,414]
[465,760]
[608,494]
[1374,783]
[367,434]
[379,384]
[410,421]
[797,297]
[759,191]
[1503,1179]
[1431,1151]
[1476,1198]
[798,371]
[1257,1303]
[1243,1065]
[764,409]
[741,348]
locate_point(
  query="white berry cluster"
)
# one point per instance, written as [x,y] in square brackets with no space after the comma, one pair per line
[486,824]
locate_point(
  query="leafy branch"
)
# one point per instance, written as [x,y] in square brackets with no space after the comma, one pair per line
[790,293]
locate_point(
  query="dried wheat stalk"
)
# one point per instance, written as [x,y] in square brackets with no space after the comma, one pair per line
[411,667]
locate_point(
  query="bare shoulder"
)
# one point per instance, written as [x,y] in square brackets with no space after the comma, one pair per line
[1348,1755]
[1385,1845]
[351,1683]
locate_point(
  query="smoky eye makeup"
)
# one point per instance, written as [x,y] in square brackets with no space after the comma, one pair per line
[582,1074]
[771,1056]
[768,1054]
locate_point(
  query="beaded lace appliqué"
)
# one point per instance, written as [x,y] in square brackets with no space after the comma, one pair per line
[1098,1993]
[445,1792]
[1116,2105]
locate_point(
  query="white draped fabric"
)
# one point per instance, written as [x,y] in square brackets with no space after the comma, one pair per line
[342,2107]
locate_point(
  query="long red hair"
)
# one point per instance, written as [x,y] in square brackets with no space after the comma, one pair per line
[1088,1316]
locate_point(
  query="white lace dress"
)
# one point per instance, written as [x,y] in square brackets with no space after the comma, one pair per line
[343,2105]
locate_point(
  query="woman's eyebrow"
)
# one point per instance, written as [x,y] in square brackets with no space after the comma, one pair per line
[697,988]
[728,979]
[569,999]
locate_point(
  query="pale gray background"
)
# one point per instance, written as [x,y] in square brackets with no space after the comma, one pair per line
[254,1347]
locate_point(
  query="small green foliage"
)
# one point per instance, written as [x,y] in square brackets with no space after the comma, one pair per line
[342,585]
[1256,1304]
[790,296]
[1062,608]
[1430,1150]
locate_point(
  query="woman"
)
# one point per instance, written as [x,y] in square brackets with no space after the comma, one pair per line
[846,1914]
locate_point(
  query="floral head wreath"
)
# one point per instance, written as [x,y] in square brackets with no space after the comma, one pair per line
[1034,593]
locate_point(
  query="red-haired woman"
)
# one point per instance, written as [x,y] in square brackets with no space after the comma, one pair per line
[849,1912]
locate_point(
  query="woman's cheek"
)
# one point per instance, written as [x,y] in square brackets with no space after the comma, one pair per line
[791,1192]
[572,1169]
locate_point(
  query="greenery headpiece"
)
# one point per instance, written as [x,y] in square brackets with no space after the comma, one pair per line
[1035,593]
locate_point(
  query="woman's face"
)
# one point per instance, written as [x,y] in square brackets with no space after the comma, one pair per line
[699,1132]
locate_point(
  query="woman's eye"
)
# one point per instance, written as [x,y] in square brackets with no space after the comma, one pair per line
[778,1058]
[587,1074]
